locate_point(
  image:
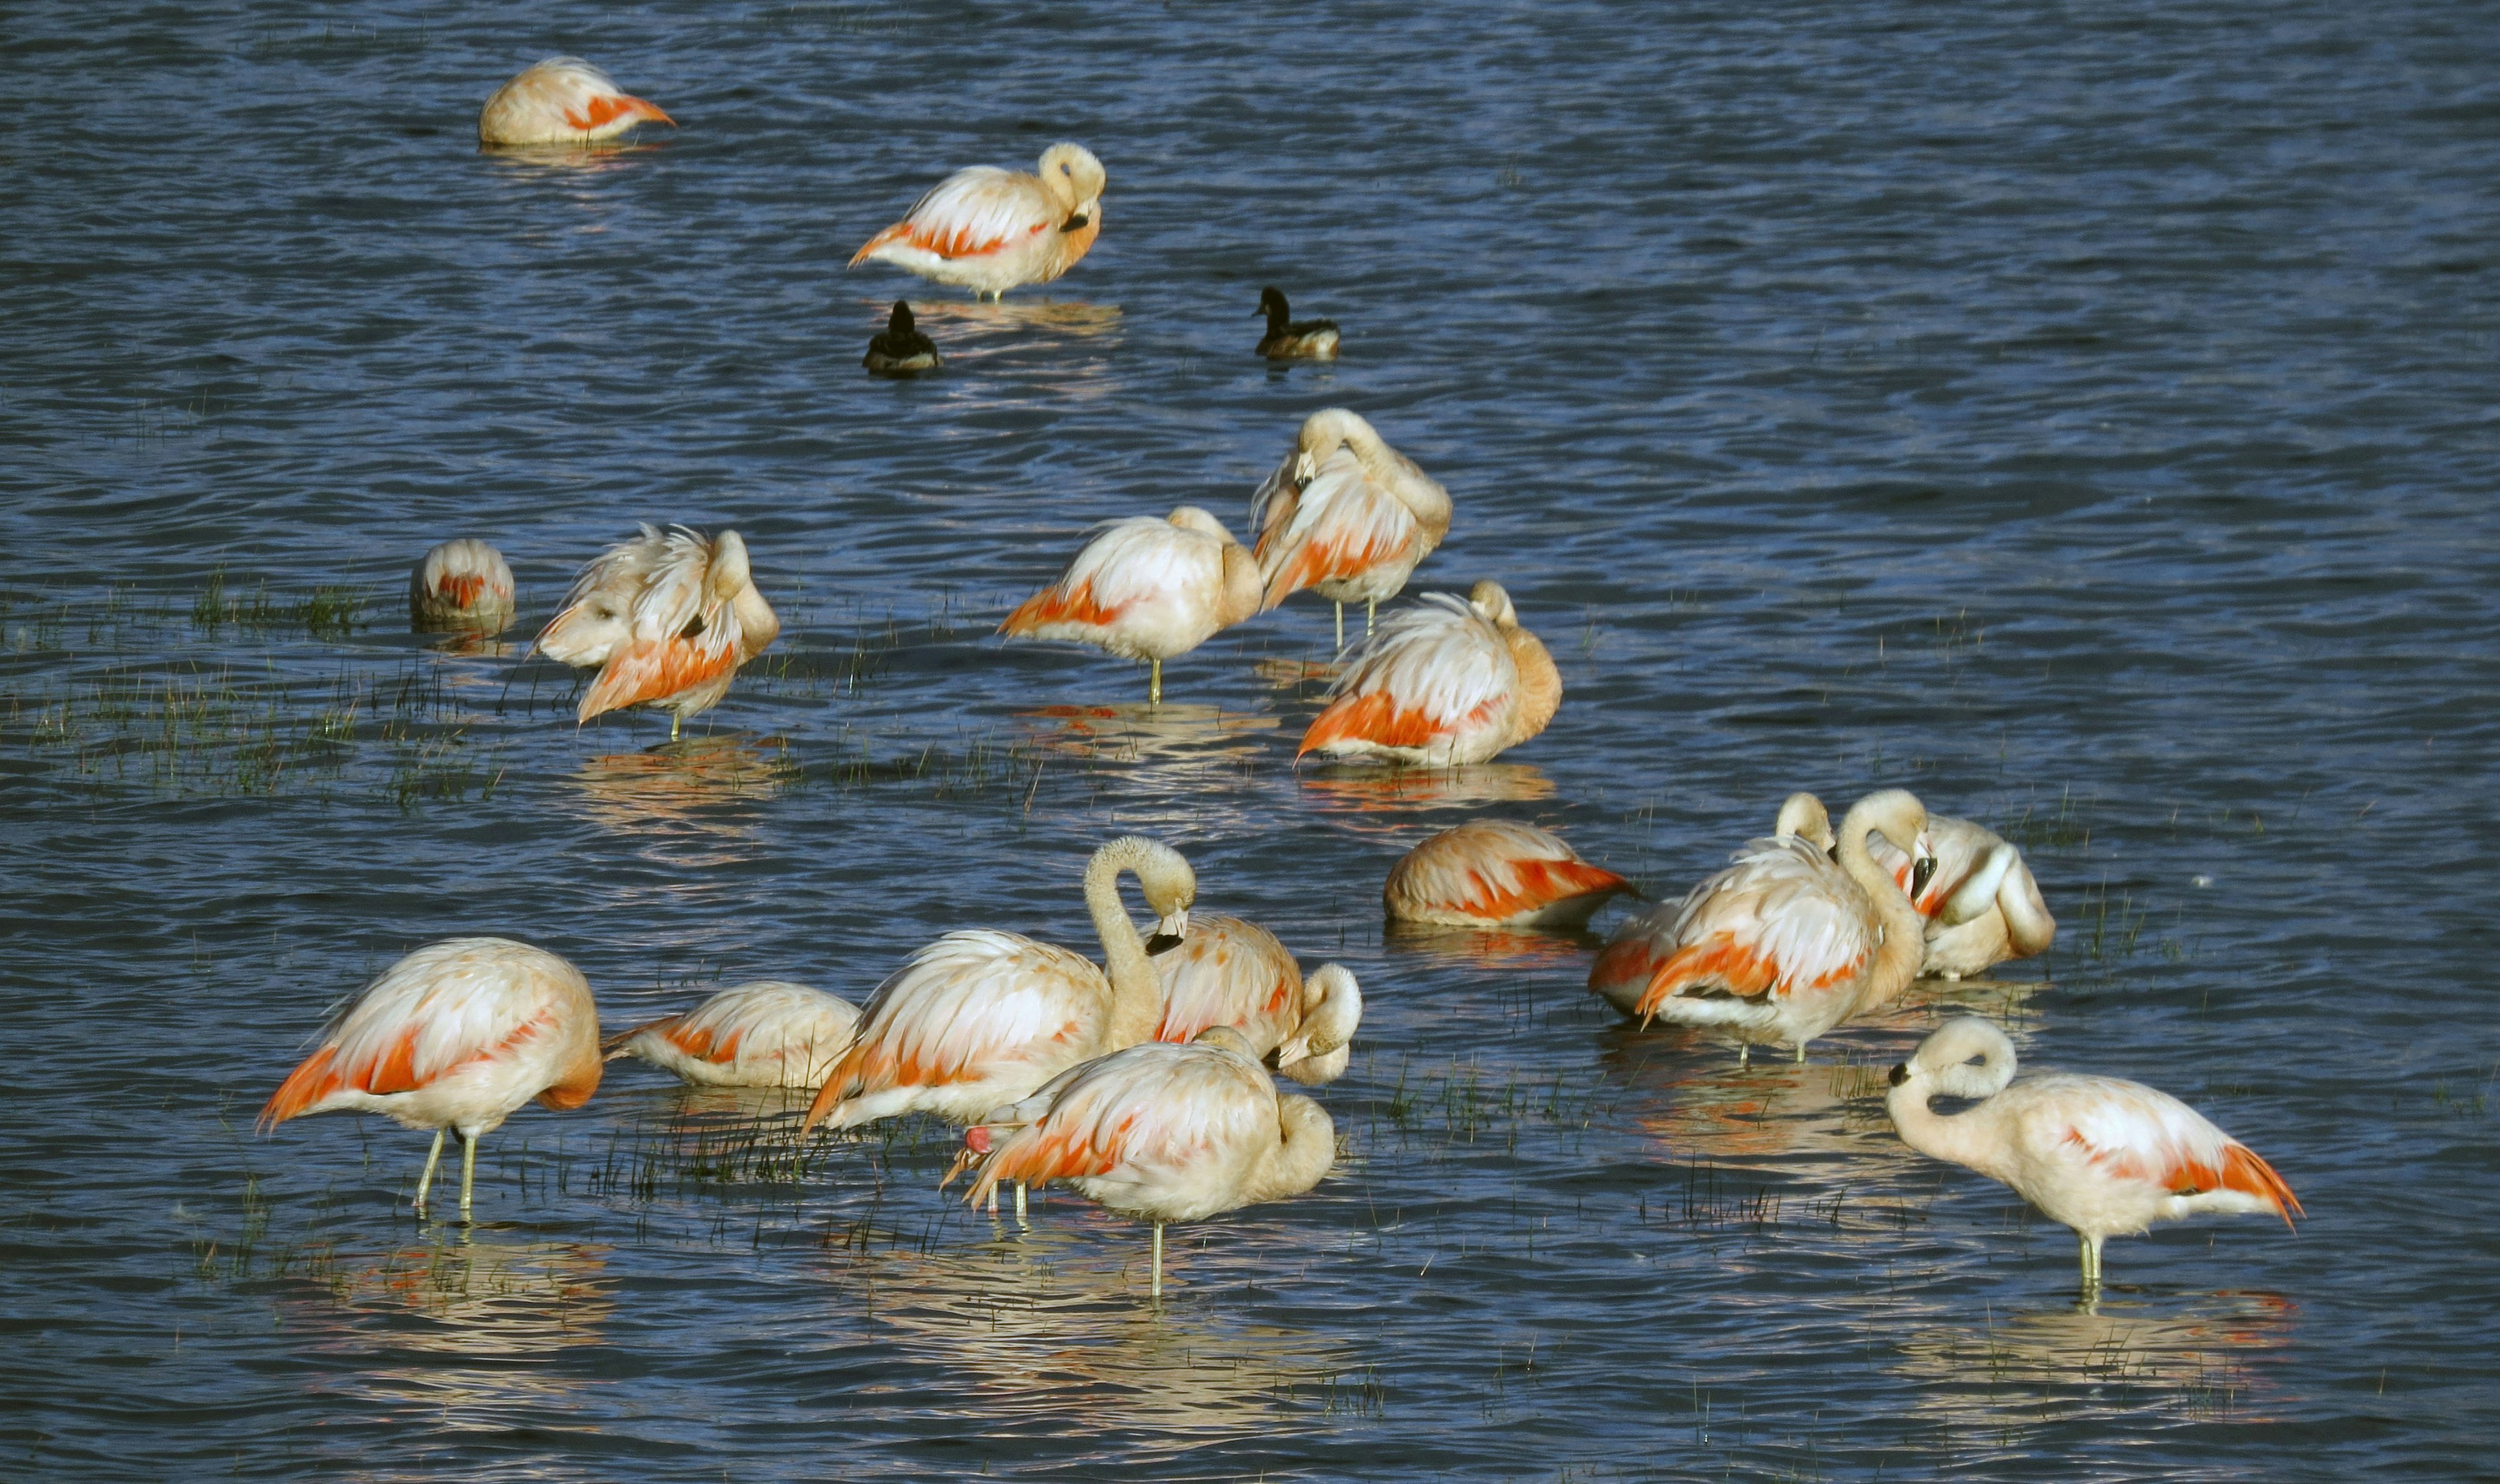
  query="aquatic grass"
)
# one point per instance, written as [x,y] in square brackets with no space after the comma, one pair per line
[327,613]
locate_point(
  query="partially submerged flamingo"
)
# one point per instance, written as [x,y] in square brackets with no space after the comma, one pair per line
[990,230]
[1146,589]
[1160,1133]
[1347,515]
[461,586]
[1233,972]
[666,620]
[765,1033]
[1447,682]
[1497,874]
[1982,904]
[563,100]
[453,1038]
[2105,1157]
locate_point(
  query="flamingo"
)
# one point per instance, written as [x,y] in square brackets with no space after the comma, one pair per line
[990,230]
[1444,684]
[1235,973]
[2101,1155]
[1346,514]
[666,620]
[1313,340]
[463,584]
[1784,944]
[1146,589]
[1497,874]
[1160,1133]
[766,1033]
[563,100]
[900,349]
[453,1038]
[1803,815]
[1981,903]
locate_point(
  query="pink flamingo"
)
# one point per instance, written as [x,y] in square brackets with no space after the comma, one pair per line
[990,230]
[1346,514]
[666,620]
[463,584]
[1981,903]
[563,100]
[1232,972]
[453,1038]
[1443,684]
[1146,589]
[1497,874]
[2105,1157]
[766,1033]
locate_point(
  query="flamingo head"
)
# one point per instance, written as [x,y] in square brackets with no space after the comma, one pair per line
[1072,172]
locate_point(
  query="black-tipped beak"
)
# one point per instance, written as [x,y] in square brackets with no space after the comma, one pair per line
[1921,874]
[1900,1072]
[1074,223]
[1161,942]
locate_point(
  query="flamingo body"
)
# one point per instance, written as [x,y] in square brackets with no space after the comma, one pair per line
[563,100]
[1497,874]
[464,585]
[1345,515]
[1146,589]
[991,230]
[766,1033]
[1235,973]
[666,620]
[1447,682]
[1982,904]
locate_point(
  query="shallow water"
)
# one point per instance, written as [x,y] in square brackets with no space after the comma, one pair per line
[2083,418]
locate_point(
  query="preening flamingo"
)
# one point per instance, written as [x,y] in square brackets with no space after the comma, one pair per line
[1981,903]
[563,100]
[463,586]
[1146,589]
[453,1037]
[1497,874]
[666,620]
[766,1033]
[1232,972]
[1782,945]
[1312,339]
[2103,1156]
[991,230]
[1443,684]
[1347,515]
[1803,815]
[1161,1133]
[900,350]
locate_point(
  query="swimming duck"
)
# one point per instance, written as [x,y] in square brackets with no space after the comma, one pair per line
[1313,340]
[901,351]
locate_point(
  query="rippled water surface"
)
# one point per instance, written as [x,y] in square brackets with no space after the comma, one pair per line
[2081,416]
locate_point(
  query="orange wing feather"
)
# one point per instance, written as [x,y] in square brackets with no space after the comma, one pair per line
[1058,605]
[1372,716]
[653,669]
[1320,562]
[1542,884]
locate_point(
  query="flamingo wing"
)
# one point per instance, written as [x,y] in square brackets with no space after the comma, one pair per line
[1781,919]
[683,633]
[598,611]
[1341,526]
[1496,869]
[976,211]
[1433,670]
[1230,972]
[1132,562]
[1151,1109]
[2132,1132]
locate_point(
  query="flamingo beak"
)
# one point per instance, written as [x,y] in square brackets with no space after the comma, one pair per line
[1305,469]
[1921,873]
[644,107]
[1900,1072]
[1168,932]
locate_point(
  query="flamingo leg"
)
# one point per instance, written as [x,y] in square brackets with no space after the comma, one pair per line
[425,1181]
[1744,1053]
[674,722]
[1370,611]
[1800,1052]
[468,1174]
[1340,628]
[1155,686]
[1019,1203]
[993,1199]
[2088,1252]
[1159,1260]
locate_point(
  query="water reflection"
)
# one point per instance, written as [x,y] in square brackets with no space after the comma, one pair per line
[1169,747]
[1693,1097]
[568,159]
[1560,952]
[679,783]
[975,325]
[1358,791]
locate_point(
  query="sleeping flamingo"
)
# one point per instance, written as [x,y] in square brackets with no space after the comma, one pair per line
[1784,944]
[666,620]
[453,1037]
[1232,972]
[563,100]
[765,1033]
[1146,589]
[1982,906]
[1444,684]
[1497,874]
[1160,1133]
[463,586]
[1345,515]
[991,230]
[2103,1156]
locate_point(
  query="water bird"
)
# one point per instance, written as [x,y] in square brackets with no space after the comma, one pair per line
[1146,589]
[1313,340]
[1160,1133]
[2101,1155]
[462,586]
[1497,874]
[666,620]
[990,230]
[563,100]
[1446,682]
[1981,903]
[765,1033]
[1784,944]
[1346,515]
[1233,972]
[900,349]
[453,1038]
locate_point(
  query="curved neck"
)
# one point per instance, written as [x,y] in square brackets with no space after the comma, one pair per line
[1244,591]
[756,624]
[1540,684]
[1305,1153]
[1136,997]
[1905,945]
[2028,927]
[1961,1137]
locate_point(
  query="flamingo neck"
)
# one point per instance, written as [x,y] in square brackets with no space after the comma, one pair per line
[1136,997]
[1967,1139]
[1540,684]
[756,624]
[1302,1156]
[2028,927]
[1243,590]
[1904,945]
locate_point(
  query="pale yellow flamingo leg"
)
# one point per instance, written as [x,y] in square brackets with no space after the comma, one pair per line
[1340,628]
[1019,1203]
[1159,1260]
[1155,686]
[425,1181]
[1370,611]
[468,1173]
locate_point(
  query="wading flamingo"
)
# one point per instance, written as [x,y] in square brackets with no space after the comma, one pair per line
[766,1033]
[1146,589]
[900,350]
[2106,1157]
[666,620]
[563,100]
[461,586]
[1803,815]
[453,1038]
[1313,340]
[1160,1133]
[1782,945]
[1346,515]
[1232,972]
[1444,684]
[1981,903]
[1497,874]
[990,230]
